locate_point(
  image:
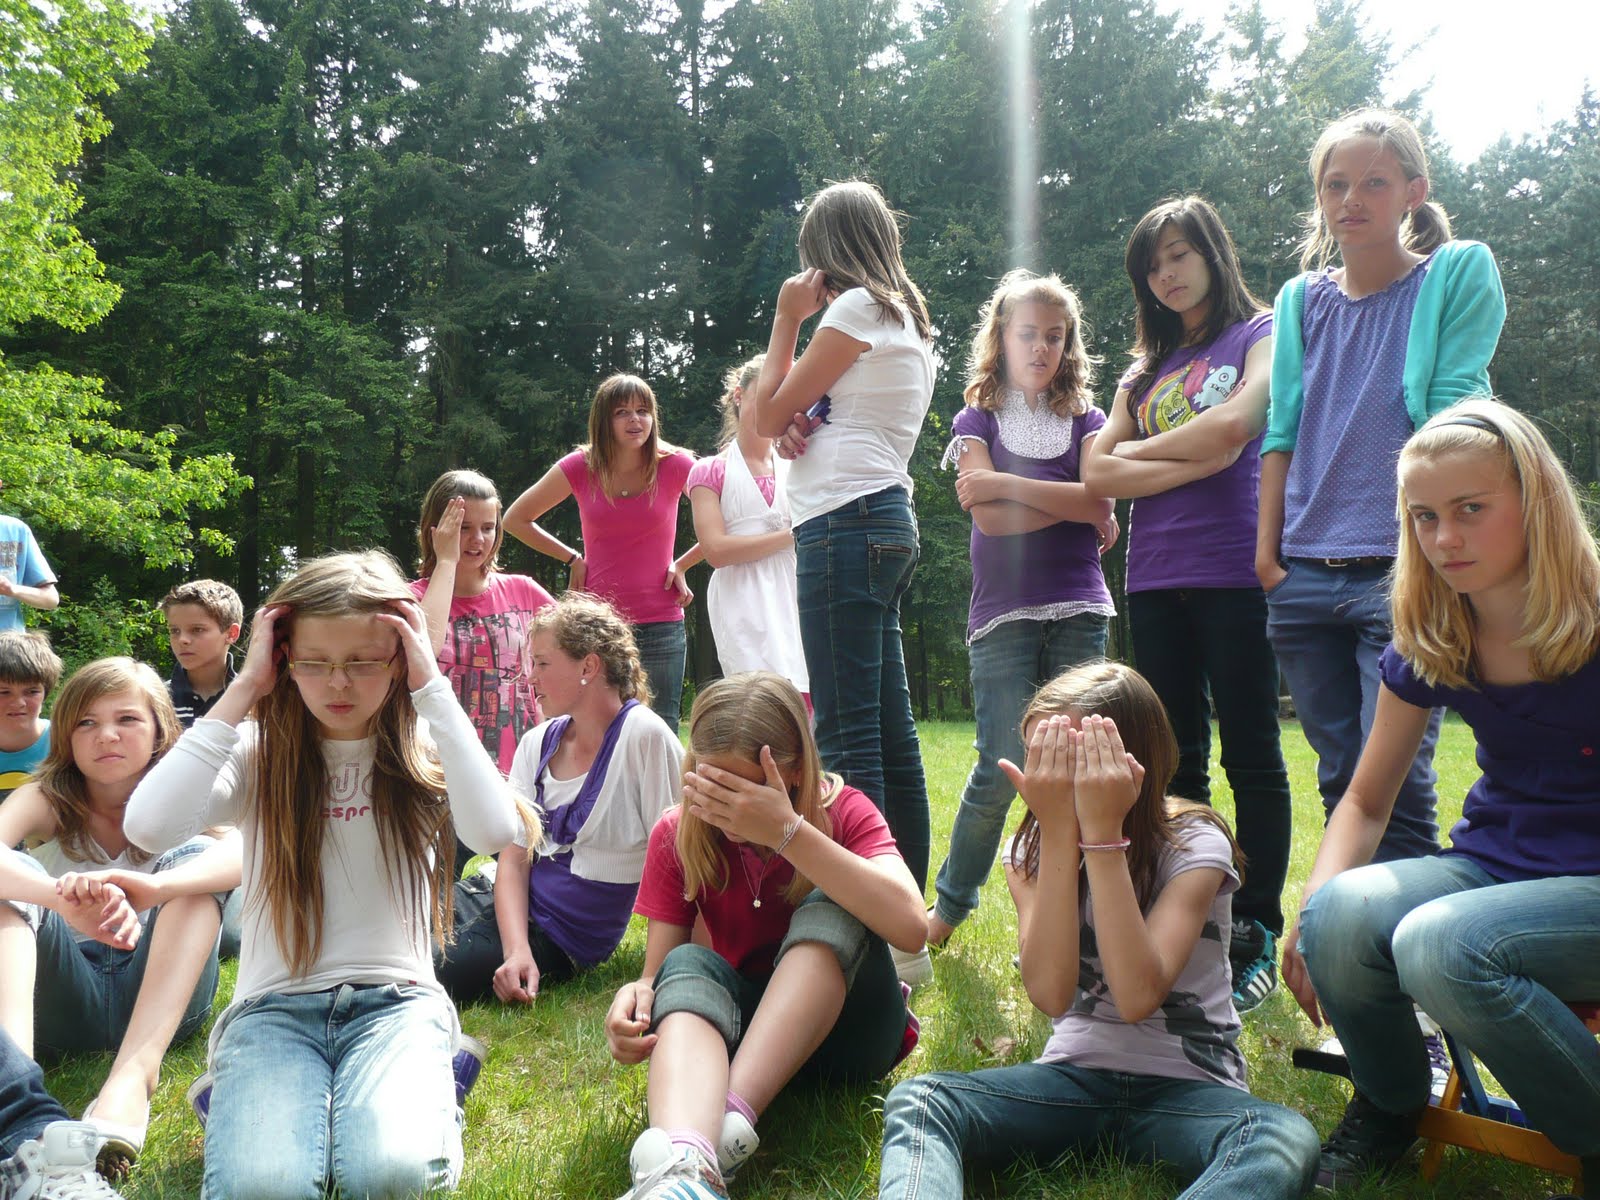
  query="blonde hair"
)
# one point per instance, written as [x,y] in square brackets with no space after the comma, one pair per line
[59,777]
[582,625]
[291,775]
[736,382]
[1433,623]
[1070,393]
[1428,226]
[1152,825]
[852,236]
[737,716]
[469,485]
[600,451]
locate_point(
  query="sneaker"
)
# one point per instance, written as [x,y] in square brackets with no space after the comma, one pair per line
[913,1030]
[1366,1140]
[737,1143]
[681,1174]
[57,1165]
[1438,1064]
[914,970]
[1253,956]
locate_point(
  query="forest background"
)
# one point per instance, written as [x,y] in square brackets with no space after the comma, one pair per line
[269,267]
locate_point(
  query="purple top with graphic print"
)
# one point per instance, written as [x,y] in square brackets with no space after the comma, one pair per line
[1202,534]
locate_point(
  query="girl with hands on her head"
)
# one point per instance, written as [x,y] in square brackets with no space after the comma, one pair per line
[802,891]
[1122,897]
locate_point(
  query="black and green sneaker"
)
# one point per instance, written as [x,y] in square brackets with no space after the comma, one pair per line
[1366,1141]
[1253,956]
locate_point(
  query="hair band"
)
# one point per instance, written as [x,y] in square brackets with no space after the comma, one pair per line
[1472,422]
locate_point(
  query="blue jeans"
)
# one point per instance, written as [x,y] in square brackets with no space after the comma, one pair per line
[1205,646]
[349,1088]
[1008,664]
[1228,1141]
[1494,963]
[25,1106]
[854,566]
[661,653]
[1328,625]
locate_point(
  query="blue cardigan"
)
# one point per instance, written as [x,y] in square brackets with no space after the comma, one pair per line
[1454,328]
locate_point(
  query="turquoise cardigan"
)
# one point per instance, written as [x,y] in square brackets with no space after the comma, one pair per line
[1454,328]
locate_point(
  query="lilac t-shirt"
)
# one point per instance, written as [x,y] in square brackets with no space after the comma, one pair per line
[1535,810]
[1050,573]
[1340,493]
[1201,534]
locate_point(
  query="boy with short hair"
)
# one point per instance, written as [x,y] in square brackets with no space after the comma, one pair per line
[29,669]
[203,620]
[25,575]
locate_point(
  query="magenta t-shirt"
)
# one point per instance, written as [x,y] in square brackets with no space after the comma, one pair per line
[482,658]
[1203,533]
[628,541]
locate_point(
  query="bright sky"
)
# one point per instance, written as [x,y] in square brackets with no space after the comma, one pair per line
[1495,67]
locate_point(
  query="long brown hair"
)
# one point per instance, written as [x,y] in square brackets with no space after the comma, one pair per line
[1155,821]
[291,775]
[1071,390]
[851,235]
[600,452]
[469,485]
[58,776]
[737,716]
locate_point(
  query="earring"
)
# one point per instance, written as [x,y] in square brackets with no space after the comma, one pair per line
[583,683]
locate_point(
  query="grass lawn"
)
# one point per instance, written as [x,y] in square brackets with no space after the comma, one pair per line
[552,1115]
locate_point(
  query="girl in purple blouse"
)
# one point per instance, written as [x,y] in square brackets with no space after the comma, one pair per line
[1497,616]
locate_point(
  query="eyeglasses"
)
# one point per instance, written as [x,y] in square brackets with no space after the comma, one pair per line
[313,668]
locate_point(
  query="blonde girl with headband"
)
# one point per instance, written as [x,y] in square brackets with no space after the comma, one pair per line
[627,481]
[1123,909]
[123,952]
[1039,597]
[332,1068]
[600,769]
[871,358]
[1496,618]
[1364,352]
[478,615]
[741,518]
[800,886]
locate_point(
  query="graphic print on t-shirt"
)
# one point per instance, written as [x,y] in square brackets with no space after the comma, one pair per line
[1182,393]
[486,650]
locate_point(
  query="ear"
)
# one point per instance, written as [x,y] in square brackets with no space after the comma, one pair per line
[231,633]
[1417,192]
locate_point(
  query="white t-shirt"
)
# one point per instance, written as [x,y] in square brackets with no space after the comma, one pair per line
[878,405]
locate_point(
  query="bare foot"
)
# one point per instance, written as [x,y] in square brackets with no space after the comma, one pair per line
[123,1101]
[939,930]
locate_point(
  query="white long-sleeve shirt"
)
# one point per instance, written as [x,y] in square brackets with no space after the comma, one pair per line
[369,934]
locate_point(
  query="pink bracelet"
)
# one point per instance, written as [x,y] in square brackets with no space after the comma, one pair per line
[1121,844]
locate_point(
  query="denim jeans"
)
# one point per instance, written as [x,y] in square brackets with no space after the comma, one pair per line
[854,565]
[25,1106]
[662,646]
[466,967]
[349,1088]
[1328,625]
[1229,1142]
[1205,646]
[1494,963]
[1008,664]
[865,1040]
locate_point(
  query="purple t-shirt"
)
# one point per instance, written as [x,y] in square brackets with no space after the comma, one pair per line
[1202,534]
[1535,811]
[1049,573]
[1340,493]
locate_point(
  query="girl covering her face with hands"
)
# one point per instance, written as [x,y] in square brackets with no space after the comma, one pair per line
[332,1066]
[1123,911]
[801,887]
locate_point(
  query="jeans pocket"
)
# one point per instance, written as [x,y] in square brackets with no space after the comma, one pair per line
[1288,571]
[890,562]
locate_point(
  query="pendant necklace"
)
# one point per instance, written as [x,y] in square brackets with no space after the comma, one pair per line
[755,888]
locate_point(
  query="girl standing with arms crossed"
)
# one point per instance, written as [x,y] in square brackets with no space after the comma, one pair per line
[1122,896]
[1362,355]
[1184,438]
[478,616]
[1497,617]
[850,494]
[332,1066]
[1039,598]
[627,481]
[741,518]
[800,886]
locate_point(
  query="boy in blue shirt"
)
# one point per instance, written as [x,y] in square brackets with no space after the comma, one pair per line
[29,669]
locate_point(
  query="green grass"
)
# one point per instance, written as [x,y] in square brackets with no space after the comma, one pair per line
[552,1115]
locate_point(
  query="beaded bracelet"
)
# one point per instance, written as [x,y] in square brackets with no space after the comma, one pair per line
[1120,844]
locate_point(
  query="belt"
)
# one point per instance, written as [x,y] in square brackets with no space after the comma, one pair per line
[1367,560]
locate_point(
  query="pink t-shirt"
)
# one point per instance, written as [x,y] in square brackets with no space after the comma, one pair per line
[748,937]
[628,542]
[482,658]
[711,472]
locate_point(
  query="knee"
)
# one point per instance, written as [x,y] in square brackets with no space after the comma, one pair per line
[1292,1143]
[1436,959]
[919,1105]
[1343,920]
[393,1175]
[819,921]
[263,1177]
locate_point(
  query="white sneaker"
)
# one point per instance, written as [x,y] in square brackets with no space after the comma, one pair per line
[737,1143]
[682,1174]
[914,970]
[57,1165]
